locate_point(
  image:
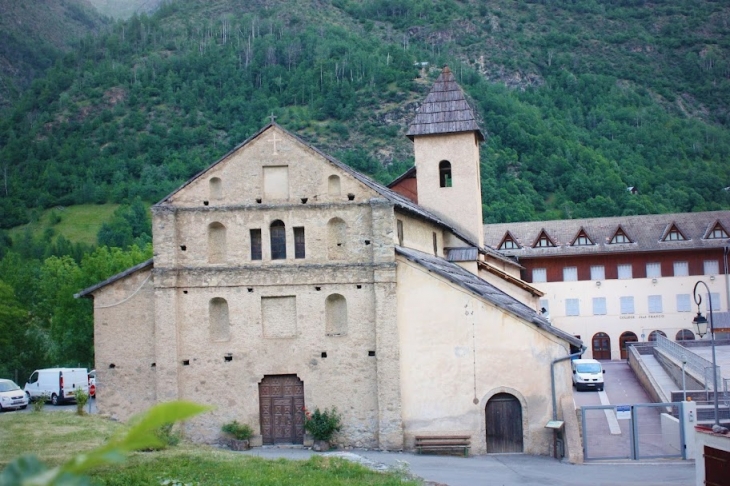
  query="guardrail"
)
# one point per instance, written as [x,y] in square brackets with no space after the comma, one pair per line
[695,363]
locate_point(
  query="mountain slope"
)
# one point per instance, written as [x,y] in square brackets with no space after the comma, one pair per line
[579,101]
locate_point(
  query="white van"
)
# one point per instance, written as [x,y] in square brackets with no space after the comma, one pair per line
[57,384]
[587,374]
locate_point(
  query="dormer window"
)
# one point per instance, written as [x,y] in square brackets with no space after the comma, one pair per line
[582,239]
[543,241]
[620,237]
[674,234]
[717,233]
[508,243]
[445,173]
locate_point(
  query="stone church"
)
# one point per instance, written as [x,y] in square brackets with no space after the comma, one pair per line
[284,279]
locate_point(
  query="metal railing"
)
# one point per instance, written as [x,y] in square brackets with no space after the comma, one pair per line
[695,363]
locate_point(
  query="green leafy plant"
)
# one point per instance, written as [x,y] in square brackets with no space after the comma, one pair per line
[29,469]
[82,398]
[237,430]
[322,424]
[168,436]
[39,403]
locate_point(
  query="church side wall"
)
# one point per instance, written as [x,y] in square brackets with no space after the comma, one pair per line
[418,234]
[457,351]
[124,340]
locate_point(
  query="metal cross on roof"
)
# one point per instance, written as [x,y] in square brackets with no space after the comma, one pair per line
[272,117]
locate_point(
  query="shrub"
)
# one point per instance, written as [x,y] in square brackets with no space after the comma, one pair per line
[167,436]
[82,398]
[322,424]
[39,403]
[237,431]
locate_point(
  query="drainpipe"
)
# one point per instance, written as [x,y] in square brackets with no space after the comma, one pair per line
[555,400]
[583,348]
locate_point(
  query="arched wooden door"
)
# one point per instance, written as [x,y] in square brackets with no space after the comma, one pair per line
[627,337]
[601,346]
[281,404]
[504,423]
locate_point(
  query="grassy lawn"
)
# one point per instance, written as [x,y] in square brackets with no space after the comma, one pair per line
[78,224]
[56,436]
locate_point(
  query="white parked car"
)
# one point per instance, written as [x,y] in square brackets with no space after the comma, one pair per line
[11,396]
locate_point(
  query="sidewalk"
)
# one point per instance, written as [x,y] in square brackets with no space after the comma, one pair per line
[507,469]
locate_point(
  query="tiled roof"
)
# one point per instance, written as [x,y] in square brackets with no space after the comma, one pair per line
[647,233]
[445,110]
[484,290]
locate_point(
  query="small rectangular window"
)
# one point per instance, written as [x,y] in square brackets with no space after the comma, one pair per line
[572,307]
[712,267]
[435,245]
[399,227]
[627,305]
[681,269]
[539,275]
[599,306]
[570,274]
[255,244]
[683,303]
[299,242]
[715,301]
[625,271]
[598,272]
[653,270]
[545,304]
[655,304]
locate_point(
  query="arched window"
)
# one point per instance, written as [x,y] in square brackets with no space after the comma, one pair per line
[216,243]
[216,188]
[685,335]
[336,239]
[218,320]
[654,334]
[336,313]
[333,185]
[445,173]
[277,232]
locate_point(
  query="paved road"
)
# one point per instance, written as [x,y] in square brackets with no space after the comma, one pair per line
[89,408]
[509,469]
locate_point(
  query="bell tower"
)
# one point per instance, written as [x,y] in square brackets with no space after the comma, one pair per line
[446,142]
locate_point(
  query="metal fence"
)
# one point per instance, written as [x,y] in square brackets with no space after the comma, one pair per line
[699,365]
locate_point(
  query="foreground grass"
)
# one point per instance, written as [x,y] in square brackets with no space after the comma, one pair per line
[56,436]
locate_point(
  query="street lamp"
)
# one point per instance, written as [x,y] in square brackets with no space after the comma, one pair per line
[701,325]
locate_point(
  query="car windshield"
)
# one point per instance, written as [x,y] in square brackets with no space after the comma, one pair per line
[588,368]
[8,386]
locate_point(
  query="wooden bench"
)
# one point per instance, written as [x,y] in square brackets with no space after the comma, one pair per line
[443,442]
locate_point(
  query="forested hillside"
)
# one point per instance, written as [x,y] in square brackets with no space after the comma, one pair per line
[579,100]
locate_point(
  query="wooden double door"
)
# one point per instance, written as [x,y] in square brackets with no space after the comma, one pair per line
[281,404]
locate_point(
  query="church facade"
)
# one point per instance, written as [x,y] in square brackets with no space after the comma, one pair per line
[282,279]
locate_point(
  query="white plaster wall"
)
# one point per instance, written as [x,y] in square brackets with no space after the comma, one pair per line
[456,348]
[418,234]
[461,204]
[614,323]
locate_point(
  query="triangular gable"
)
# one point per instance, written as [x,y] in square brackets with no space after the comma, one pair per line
[619,237]
[673,233]
[543,240]
[509,242]
[406,185]
[582,239]
[715,231]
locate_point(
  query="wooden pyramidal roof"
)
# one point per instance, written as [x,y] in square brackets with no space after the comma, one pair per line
[445,110]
